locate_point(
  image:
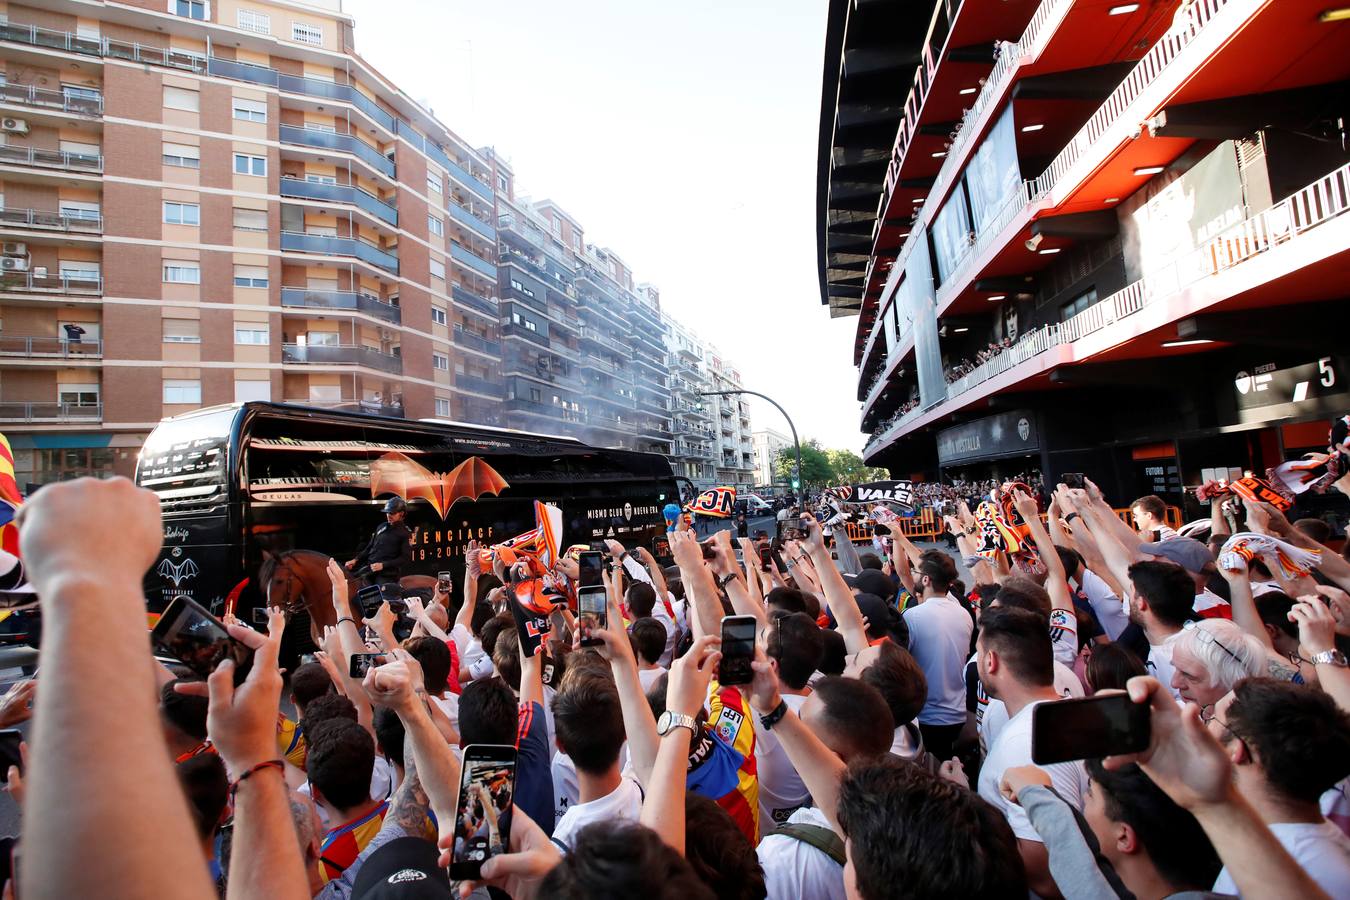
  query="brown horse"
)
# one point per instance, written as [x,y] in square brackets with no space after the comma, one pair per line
[297,581]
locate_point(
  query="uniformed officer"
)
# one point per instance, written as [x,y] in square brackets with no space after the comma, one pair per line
[390,548]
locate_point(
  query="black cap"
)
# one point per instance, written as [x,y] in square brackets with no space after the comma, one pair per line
[872,581]
[406,868]
[395,504]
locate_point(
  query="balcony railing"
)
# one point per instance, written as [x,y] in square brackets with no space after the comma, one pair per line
[329,245]
[604,340]
[317,87]
[37,98]
[369,407]
[345,143]
[513,330]
[473,261]
[598,364]
[473,301]
[35,411]
[39,283]
[460,174]
[341,354]
[475,342]
[35,347]
[52,40]
[340,193]
[83,222]
[51,159]
[470,221]
[478,385]
[341,300]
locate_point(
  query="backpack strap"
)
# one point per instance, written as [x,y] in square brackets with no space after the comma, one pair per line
[823,839]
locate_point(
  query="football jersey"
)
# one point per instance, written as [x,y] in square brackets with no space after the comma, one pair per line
[722,759]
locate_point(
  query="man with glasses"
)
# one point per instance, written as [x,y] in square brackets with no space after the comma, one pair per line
[1209,657]
[1288,743]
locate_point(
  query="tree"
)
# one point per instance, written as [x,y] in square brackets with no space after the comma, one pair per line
[816,469]
[847,467]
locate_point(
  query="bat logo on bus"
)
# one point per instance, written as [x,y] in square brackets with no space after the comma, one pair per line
[177,573]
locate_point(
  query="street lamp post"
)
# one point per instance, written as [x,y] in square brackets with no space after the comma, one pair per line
[796,445]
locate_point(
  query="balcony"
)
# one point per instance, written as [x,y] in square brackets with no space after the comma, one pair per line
[340,193]
[65,41]
[548,410]
[604,340]
[40,412]
[474,302]
[475,342]
[310,87]
[598,364]
[33,347]
[369,407]
[341,355]
[42,283]
[37,220]
[342,143]
[475,385]
[349,301]
[473,261]
[51,159]
[510,329]
[470,221]
[328,245]
[55,101]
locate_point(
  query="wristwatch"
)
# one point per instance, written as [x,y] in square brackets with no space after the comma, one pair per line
[774,716]
[1331,658]
[669,721]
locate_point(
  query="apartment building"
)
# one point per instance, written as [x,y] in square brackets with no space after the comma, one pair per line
[768,443]
[712,432]
[207,201]
[1089,237]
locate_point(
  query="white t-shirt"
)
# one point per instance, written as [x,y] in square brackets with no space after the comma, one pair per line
[794,870]
[781,789]
[1159,662]
[1012,748]
[566,788]
[1110,611]
[383,783]
[992,714]
[1211,605]
[449,704]
[648,677]
[906,745]
[1322,850]
[471,654]
[1265,587]
[624,803]
[939,639]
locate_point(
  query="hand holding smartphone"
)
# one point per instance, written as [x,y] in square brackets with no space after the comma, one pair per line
[487,787]
[738,649]
[361,663]
[592,605]
[1089,728]
[197,639]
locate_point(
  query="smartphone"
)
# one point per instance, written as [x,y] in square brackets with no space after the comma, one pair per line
[660,548]
[765,558]
[709,553]
[197,639]
[1073,480]
[738,649]
[590,563]
[443,582]
[739,555]
[592,615]
[9,752]
[487,787]
[361,663]
[1088,728]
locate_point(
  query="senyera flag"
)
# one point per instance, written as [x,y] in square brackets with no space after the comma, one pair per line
[10,500]
[718,502]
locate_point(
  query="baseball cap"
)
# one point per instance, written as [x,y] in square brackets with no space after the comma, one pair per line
[405,868]
[871,581]
[882,619]
[1188,553]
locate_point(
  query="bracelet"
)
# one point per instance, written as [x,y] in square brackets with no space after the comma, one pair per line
[249,773]
[774,716]
[1070,517]
[346,619]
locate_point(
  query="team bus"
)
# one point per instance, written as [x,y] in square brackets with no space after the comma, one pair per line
[241,481]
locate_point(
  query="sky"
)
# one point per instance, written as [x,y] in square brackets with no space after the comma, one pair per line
[683,136]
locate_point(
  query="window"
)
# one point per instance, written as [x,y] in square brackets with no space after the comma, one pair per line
[78,394]
[182,331]
[443,407]
[440,362]
[182,391]
[438,316]
[176,272]
[73,92]
[176,213]
[250,219]
[250,110]
[245,391]
[75,209]
[1078,304]
[182,98]
[191,9]
[433,183]
[320,179]
[251,20]
[502,183]
[438,269]
[250,276]
[245,164]
[183,156]
[254,335]
[306,34]
[557,227]
[79,270]
[522,288]
[576,242]
[319,126]
[536,395]
[436,226]
[322,338]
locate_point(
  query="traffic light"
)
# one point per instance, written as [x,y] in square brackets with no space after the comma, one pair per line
[796,485]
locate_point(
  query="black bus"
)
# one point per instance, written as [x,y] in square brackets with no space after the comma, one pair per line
[238,481]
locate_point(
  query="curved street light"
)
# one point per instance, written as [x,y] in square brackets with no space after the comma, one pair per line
[795,443]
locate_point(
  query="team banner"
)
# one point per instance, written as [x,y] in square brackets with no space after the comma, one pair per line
[718,502]
[845,503]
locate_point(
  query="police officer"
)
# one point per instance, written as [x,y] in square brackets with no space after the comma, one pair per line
[390,548]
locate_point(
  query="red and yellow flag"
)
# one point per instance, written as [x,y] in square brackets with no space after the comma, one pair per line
[10,500]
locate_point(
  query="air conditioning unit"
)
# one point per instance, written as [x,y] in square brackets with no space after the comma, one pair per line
[14,248]
[14,126]
[13,264]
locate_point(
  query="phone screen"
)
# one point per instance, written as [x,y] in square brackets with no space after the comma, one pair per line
[483,818]
[1088,728]
[443,580]
[592,614]
[1072,480]
[590,563]
[197,639]
[765,557]
[738,649]
[9,752]
[661,547]
[259,615]
[361,663]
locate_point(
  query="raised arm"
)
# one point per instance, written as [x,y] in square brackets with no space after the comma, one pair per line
[1116,557]
[1316,635]
[1056,580]
[1242,602]
[658,577]
[472,571]
[638,722]
[699,586]
[837,593]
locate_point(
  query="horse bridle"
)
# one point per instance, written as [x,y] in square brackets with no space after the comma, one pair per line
[290,606]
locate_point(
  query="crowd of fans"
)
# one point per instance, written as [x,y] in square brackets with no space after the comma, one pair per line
[882,748]
[966,366]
